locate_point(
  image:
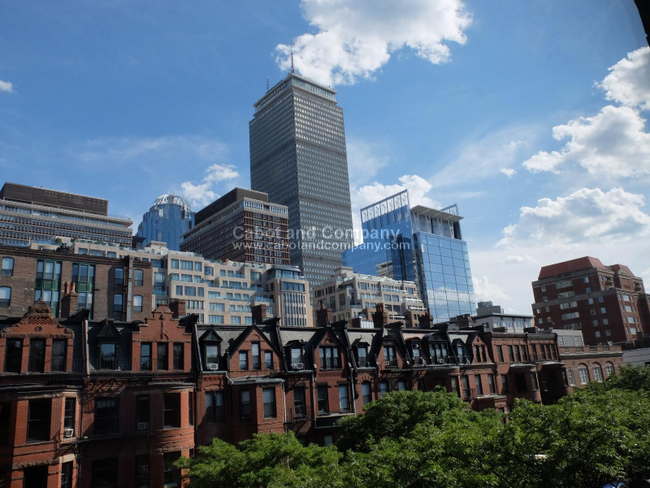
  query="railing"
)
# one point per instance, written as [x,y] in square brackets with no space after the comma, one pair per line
[363,362]
[106,426]
[418,361]
[297,413]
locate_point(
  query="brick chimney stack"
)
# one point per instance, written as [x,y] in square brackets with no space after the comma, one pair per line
[380,317]
[323,316]
[426,320]
[69,301]
[259,314]
[177,306]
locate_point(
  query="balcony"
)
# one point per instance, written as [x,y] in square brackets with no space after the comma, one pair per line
[104,426]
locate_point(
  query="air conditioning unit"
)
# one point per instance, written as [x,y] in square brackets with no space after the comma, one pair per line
[143,425]
[297,366]
[67,433]
[213,366]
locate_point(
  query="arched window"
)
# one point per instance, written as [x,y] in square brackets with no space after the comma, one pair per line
[138,277]
[7,266]
[366,392]
[5,296]
[137,303]
[609,369]
[584,374]
[598,372]
[117,303]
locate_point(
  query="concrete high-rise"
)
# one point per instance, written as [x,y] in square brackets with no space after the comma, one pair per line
[167,220]
[298,157]
[37,215]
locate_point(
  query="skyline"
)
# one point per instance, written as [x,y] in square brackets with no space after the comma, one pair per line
[488,129]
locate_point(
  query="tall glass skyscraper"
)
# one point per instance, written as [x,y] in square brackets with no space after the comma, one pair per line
[417,244]
[167,220]
[298,157]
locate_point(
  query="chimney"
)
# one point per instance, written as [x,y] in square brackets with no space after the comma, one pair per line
[464,321]
[426,320]
[323,316]
[380,318]
[69,301]
[177,306]
[259,314]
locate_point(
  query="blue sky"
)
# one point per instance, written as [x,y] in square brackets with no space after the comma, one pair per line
[456,101]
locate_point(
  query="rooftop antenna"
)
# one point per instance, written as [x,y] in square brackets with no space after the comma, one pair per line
[293,71]
[267,84]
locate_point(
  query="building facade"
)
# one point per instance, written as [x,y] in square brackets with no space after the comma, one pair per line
[87,403]
[351,295]
[608,303]
[241,226]
[417,244]
[167,220]
[119,288]
[298,156]
[29,214]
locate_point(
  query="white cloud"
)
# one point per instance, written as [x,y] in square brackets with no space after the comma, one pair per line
[628,81]
[509,172]
[611,144]
[203,193]
[356,38]
[6,86]
[365,159]
[485,290]
[518,259]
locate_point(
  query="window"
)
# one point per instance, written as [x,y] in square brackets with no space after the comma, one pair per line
[401,385]
[255,353]
[118,303]
[268,359]
[609,369]
[138,277]
[190,405]
[533,380]
[389,356]
[35,476]
[243,360]
[142,412]
[214,408]
[163,356]
[323,401]
[171,474]
[383,388]
[36,355]
[212,355]
[69,412]
[511,356]
[174,264]
[142,479]
[5,296]
[572,380]
[38,420]
[107,355]
[106,416]
[13,355]
[491,383]
[299,405]
[344,400]
[479,384]
[500,353]
[59,349]
[598,373]
[296,358]
[329,357]
[520,381]
[245,405]
[179,353]
[119,276]
[145,356]
[584,375]
[268,396]
[104,474]
[172,410]
[66,475]
[504,385]
[366,392]
[7,266]
[328,440]
[137,303]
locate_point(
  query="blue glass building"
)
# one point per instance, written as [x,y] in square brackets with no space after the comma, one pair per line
[418,244]
[166,221]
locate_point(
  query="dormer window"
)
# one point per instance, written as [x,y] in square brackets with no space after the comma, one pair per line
[389,356]
[212,356]
[362,354]
[296,358]
[329,357]
[417,354]
[108,355]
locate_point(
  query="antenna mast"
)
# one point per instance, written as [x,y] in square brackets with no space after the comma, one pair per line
[292,69]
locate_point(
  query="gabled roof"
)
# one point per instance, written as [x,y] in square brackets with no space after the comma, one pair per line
[108,331]
[244,335]
[210,336]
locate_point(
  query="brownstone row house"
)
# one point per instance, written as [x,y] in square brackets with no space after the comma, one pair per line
[87,403]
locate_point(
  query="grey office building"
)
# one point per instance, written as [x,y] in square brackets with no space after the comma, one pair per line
[298,157]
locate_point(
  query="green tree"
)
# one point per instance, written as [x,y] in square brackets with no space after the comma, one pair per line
[630,378]
[267,460]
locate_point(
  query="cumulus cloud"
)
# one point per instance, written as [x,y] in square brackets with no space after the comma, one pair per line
[518,259]
[628,81]
[6,86]
[365,159]
[509,172]
[356,38]
[203,193]
[485,290]
[587,215]
[613,143]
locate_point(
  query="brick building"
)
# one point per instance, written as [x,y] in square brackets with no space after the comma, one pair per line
[608,303]
[119,288]
[89,403]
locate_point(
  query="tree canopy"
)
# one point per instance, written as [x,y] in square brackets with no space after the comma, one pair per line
[595,436]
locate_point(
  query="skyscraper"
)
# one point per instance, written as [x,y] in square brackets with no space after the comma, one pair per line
[418,244]
[298,157]
[169,217]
